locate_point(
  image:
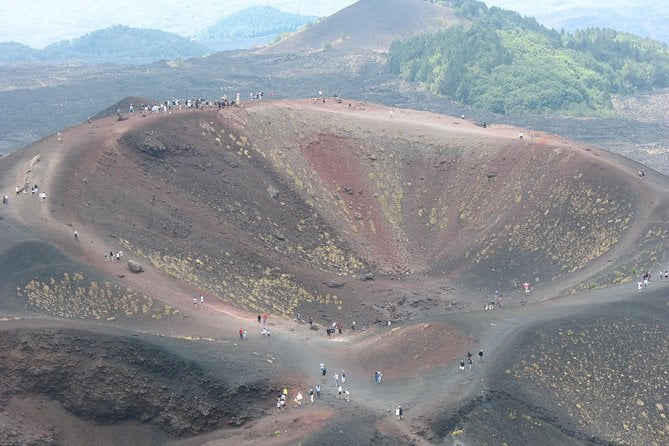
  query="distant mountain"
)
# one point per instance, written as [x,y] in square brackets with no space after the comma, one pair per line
[118,44]
[256,21]
[37,23]
[252,27]
[122,44]
[645,18]
[370,25]
[16,52]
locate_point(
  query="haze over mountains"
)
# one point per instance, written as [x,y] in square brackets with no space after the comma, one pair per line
[38,23]
[120,44]
[212,24]
[645,18]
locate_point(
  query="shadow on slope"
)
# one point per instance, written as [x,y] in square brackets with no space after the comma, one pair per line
[107,379]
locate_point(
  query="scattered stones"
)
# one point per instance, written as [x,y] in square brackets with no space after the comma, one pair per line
[334,284]
[273,192]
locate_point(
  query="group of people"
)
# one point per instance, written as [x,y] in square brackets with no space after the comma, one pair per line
[470,361]
[34,190]
[335,328]
[111,256]
[198,303]
[496,300]
[317,390]
[644,281]
[180,104]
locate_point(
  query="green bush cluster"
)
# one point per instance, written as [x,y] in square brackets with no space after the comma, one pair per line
[506,63]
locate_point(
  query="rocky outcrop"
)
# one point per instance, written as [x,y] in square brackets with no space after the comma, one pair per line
[134,266]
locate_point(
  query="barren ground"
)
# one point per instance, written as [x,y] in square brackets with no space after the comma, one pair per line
[297,208]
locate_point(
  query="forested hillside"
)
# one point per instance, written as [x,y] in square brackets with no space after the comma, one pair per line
[506,63]
[124,45]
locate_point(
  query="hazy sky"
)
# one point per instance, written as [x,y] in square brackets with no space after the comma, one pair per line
[38,23]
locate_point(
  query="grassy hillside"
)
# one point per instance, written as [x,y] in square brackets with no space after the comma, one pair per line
[505,63]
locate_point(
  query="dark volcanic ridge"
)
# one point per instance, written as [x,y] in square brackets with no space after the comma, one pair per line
[107,379]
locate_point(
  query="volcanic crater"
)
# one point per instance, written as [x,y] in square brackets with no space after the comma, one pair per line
[404,222]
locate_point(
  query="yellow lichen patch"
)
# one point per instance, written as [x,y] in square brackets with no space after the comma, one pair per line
[75,297]
[267,290]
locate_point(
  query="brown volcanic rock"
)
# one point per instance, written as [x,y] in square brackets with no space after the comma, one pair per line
[134,266]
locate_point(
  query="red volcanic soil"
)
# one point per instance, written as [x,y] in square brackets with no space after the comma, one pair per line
[338,210]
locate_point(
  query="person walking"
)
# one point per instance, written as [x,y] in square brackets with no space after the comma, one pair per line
[462,366]
[399,412]
[480,355]
[318,390]
[343,377]
[336,379]
[311,396]
[339,391]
